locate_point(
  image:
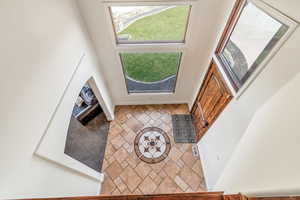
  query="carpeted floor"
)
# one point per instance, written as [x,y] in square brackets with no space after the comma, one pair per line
[87,143]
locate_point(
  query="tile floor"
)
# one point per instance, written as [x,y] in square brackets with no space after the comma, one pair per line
[127,174]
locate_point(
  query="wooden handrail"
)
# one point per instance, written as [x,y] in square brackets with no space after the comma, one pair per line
[174,196]
[275,198]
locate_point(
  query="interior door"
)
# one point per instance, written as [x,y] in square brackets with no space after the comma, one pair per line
[213,97]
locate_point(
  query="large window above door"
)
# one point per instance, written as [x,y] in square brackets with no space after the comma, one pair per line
[150,24]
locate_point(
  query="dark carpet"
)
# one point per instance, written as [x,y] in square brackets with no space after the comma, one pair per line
[87,143]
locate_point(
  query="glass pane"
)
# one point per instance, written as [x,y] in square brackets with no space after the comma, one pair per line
[150,23]
[150,72]
[251,40]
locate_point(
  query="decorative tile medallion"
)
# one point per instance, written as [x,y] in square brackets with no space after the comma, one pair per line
[152,145]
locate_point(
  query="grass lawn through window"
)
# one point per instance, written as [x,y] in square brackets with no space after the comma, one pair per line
[169,24]
[150,67]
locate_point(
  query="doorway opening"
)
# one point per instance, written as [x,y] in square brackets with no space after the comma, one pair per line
[88,129]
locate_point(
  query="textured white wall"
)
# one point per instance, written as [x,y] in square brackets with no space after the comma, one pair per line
[41,44]
[266,161]
[221,140]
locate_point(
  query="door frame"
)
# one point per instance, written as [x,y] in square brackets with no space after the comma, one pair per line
[199,95]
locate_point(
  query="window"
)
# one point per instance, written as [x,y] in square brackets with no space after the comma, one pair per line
[150,41]
[249,43]
[149,24]
[150,72]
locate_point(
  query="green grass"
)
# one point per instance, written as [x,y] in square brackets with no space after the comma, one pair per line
[150,67]
[166,25]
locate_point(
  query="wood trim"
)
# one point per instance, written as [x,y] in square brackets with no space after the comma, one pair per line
[178,196]
[190,196]
[235,197]
[230,24]
[275,198]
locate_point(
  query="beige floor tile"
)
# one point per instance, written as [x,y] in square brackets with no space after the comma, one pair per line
[109,150]
[166,118]
[137,192]
[114,170]
[134,124]
[110,159]
[158,167]
[157,180]
[162,174]
[120,184]
[121,155]
[127,174]
[155,115]
[116,192]
[126,192]
[180,163]
[117,141]
[115,130]
[197,168]
[124,164]
[108,186]
[189,190]
[105,164]
[132,161]
[188,158]
[130,177]
[190,177]
[183,186]
[147,186]
[144,118]
[143,169]
[171,169]
[152,175]
[175,154]
[165,127]
[123,133]
[166,186]
[121,117]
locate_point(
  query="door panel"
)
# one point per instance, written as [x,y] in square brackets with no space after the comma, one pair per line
[211,96]
[212,99]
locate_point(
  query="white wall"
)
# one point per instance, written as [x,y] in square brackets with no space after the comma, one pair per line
[41,44]
[221,140]
[266,162]
[56,133]
[204,27]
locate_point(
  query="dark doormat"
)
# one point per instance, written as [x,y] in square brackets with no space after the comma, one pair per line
[183,129]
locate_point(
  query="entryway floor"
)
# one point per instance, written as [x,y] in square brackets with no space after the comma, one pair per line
[126,174]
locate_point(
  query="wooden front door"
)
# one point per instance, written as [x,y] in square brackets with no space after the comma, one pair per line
[211,100]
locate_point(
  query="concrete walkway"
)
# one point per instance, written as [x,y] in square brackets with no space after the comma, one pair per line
[166,85]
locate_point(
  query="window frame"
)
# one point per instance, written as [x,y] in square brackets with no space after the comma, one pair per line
[156,47]
[117,42]
[239,86]
[151,92]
